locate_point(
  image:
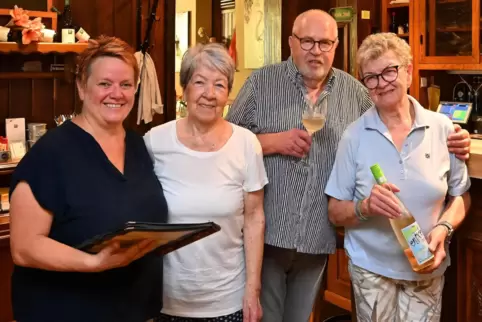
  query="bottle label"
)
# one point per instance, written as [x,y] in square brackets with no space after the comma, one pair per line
[4,31]
[68,36]
[82,35]
[416,241]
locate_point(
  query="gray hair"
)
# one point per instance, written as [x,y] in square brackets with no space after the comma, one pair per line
[211,55]
[376,45]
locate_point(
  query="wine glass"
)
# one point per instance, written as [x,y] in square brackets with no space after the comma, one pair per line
[314,117]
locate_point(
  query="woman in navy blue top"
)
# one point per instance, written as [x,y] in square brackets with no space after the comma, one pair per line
[84,178]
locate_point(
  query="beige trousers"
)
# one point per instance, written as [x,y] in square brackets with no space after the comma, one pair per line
[382,299]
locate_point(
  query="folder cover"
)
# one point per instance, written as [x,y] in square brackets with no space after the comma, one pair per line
[169,237]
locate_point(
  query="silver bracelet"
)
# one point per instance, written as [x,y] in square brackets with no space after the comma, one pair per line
[358,212]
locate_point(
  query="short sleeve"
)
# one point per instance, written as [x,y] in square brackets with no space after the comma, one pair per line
[341,184]
[255,176]
[458,178]
[147,142]
[40,169]
[243,110]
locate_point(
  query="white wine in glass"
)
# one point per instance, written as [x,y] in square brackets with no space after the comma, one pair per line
[313,122]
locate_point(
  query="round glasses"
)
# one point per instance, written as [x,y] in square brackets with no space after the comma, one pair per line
[307,44]
[389,75]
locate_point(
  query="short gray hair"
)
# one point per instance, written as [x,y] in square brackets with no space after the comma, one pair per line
[212,55]
[376,45]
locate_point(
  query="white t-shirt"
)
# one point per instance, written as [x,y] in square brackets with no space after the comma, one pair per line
[207,277]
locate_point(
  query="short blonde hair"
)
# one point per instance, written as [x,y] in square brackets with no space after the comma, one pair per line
[211,55]
[376,45]
[105,46]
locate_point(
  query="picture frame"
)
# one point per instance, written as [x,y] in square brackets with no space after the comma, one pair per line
[182,38]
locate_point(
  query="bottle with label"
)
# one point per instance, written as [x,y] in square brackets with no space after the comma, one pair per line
[393,24]
[408,232]
[68,29]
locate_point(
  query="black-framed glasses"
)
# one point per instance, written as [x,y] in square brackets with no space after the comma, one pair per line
[307,44]
[389,75]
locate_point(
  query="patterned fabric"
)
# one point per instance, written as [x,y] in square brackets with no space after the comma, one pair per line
[271,101]
[235,317]
[382,299]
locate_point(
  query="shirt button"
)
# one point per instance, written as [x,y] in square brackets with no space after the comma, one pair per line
[401,171]
[400,161]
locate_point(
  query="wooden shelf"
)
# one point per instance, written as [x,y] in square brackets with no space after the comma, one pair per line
[405,35]
[31,75]
[455,29]
[42,47]
[450,1]
[398,5]
[454,66]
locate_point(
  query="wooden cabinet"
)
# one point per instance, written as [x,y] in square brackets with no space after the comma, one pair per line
[338,287]
[449,31]
[469,261]
[470,303]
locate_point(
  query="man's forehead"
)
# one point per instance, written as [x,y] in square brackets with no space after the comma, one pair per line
[316,30]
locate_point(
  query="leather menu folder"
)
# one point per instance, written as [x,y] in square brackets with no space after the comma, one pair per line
[169,237]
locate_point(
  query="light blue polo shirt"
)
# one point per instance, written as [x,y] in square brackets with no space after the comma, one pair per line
[424,171]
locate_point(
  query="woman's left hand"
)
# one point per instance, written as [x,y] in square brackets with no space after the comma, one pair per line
[252,311]
[436,240]
[459,143]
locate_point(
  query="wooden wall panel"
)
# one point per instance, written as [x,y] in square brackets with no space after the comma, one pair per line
[367,26]
[42,90]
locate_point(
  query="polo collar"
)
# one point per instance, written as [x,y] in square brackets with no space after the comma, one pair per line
[373,121]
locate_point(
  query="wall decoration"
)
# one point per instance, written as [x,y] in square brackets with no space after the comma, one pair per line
[254,34]
[182,39]
[248,5]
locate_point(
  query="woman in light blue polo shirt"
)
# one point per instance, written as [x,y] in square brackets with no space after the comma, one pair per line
[410,144]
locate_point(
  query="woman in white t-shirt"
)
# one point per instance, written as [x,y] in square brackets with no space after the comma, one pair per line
[211,170]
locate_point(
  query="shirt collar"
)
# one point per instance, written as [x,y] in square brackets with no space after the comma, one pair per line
[373,121]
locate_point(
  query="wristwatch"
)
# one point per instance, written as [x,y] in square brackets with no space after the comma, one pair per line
[450,228]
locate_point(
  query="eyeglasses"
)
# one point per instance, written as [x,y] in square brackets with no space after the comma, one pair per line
[389,75]
[307,44]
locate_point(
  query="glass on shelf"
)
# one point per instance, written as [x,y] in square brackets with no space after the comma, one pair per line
[448,28]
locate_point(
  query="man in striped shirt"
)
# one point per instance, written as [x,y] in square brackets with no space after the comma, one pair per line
[298,235]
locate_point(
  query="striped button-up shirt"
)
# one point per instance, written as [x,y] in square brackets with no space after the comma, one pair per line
[272,100]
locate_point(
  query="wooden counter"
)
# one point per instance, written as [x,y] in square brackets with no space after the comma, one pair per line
[6,268]
[462,298]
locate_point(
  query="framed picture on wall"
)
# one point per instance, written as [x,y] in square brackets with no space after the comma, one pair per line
[182,39]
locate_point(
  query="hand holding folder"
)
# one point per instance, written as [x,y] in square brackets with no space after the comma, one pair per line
[163,237]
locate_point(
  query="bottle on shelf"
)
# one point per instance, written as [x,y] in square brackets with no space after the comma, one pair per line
[408,232]
[393,24]
[68,29]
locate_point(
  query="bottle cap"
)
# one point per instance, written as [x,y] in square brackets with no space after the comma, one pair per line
[378,173]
